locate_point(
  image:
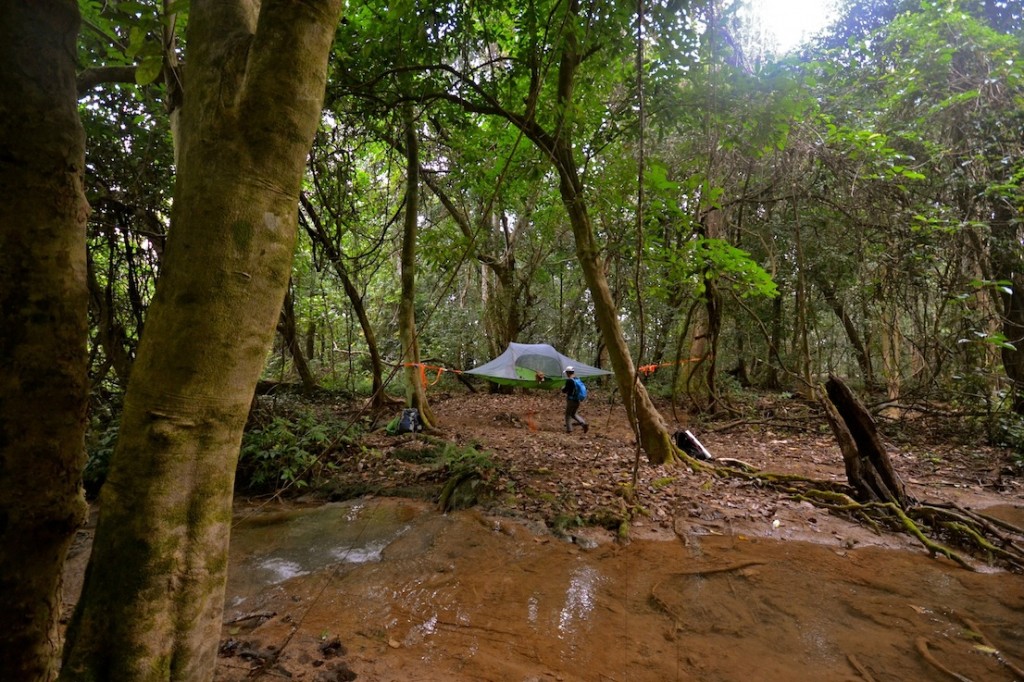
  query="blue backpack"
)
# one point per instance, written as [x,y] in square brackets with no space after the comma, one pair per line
[581,390]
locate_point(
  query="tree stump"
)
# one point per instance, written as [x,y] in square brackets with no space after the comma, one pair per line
[868,468]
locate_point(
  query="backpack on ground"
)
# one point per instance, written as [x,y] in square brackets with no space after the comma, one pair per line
[688,443]
[410,421]
[581,390]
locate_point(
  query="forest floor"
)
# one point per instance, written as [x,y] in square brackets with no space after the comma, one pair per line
[558,573]
[572,483]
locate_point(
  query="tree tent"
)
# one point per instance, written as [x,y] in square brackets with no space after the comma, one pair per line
[533,365]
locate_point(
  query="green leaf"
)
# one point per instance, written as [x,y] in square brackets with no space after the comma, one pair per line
[148,70]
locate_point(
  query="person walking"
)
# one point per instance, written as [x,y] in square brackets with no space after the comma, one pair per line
[575,393]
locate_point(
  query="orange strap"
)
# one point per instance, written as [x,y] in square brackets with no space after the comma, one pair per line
[423,372]
[648,370]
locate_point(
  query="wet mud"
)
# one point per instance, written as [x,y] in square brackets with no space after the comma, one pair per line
[384,589]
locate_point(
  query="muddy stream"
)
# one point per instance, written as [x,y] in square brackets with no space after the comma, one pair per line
[387,589]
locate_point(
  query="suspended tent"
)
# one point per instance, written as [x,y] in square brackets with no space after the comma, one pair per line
[533,365]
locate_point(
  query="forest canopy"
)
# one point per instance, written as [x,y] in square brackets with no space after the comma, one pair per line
[851,208]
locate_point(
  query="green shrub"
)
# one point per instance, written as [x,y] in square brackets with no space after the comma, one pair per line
[1009,432]
[99,446]
[290,451]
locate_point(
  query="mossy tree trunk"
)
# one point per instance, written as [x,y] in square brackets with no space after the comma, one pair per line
[43,327]
[647,421]
[153,597]
[416,391]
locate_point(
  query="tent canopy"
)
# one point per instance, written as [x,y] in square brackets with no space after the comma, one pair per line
[533,365]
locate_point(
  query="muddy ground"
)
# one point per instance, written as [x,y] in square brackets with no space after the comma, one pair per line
[557,574]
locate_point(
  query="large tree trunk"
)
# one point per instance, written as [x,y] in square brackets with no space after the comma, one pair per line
[153,597]
[43,327]
[1007,266]
[415,388]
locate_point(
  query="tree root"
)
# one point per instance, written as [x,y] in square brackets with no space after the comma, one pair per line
[932,546]
[922,648]
[859,667]
[721,569]
[980,540]
[997,528]
[663,605]
[991,539]
[976,633]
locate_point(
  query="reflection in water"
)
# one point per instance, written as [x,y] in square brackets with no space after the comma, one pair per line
[531,610]
[279,546]
[579,598]
[280,570]
[444,601]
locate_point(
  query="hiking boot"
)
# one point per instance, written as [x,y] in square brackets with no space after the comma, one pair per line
[568,429]
[586,427]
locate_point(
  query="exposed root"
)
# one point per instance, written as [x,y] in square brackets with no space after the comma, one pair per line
[933,524]
[859,667]
[1001,530]
[663,605]
[931,545]
[922,648]
[976,632]
[720,569]
[735,464]
[261,615]
[981,541]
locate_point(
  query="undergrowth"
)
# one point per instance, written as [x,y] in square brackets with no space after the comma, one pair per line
[292,447]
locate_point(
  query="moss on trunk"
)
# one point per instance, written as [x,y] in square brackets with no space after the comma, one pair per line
[153,596]
[43,327]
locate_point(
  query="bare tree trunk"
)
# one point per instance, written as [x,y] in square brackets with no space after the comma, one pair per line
[653,432]
[317,233]
[286,326]
[891,350]
[110,333]
[800,308]
[700,376]
[828,291]
[153,597]
[773,379]
[43,327]
[415,390]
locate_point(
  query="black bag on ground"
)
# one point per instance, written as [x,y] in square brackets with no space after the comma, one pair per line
[410,421]
[688,443]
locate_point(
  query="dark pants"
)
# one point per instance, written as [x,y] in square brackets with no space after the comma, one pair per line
[570,414]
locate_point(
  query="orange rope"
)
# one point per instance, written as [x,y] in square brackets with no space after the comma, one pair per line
[648,370]
[434,368]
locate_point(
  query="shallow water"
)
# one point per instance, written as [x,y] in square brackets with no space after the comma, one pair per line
[415,595]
